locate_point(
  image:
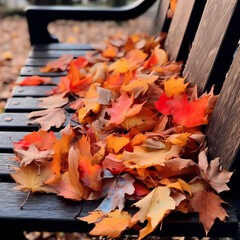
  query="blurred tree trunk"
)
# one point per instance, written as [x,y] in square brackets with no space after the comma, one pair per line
[51,2]
[117,3]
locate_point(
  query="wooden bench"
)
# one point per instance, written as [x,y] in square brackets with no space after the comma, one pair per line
[211,55]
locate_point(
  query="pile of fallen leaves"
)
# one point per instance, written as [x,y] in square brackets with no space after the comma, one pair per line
[132,133]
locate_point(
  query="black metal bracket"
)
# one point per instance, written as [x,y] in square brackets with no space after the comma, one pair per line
[39,17]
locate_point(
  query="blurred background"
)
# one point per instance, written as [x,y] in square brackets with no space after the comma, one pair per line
[14,38]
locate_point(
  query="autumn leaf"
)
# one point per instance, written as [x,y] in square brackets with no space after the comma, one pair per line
[69,185]
[123,108]
[117,143]
[34,80]
[135,57]
[120,66]
[158,57]
[115,191]
[109,52]
[51,102]
[111,224]
[113,163]
[43,140]
[33,154]
[29,179]
[61,64]
[208,205]
[49,118]
[153,208]
[213,174]
[174,86]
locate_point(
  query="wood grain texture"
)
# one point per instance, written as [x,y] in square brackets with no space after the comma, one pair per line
[62,46]
[38,62]
[54,80]
[30,71]
[161,16]
[32,91]
[183,28]
[6,138]
[55,53]
[223,130]
[204,58]
[5,163]
[47,212]
[25,104]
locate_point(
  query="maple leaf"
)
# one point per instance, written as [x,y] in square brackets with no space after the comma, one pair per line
[153,208]
[141,158]
[174,86]
[112,163]
[29,178]
[120,66]
[61,64]
[158,57]
[34,80]
[111,224]
[212,173]
[51,102]
[109,52]
[184,113]
[49,118]
[123,108]
[117,143]
[69,185]
[140,85]
[33,154]
[135,57]
[43,140]
[208,205]
[115,191]
[98,72]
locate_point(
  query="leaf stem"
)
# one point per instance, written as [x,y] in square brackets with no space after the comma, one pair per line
[25,200]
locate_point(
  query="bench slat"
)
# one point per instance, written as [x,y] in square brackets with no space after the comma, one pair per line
[55,53]
[209,67]
[180,36]
[25,104]
[223,129]
[38,62]
[39,214]
[31,91]
[62,46]
[30,71]
[5,162]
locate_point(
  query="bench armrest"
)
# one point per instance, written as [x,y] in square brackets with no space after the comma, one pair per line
[39,17]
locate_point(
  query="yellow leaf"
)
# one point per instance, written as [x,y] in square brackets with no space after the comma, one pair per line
[120,66]
[179,139]
[117,143]
[174,86]
[111,224]
[154,207]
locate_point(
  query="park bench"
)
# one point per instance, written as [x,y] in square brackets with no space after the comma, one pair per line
[216,24]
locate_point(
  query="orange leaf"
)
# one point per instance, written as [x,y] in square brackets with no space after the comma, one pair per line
[117,143]
[120,66]
[34,80]
[109,52]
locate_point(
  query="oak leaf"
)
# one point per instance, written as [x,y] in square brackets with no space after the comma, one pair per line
[208,205]
[153,208]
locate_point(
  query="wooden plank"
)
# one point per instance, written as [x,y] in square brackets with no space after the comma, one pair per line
[38,214]
[161,17]
[223,130]
[183,28]
[32,91]
[6,138]
[25,104]
[54,80]
[20,122]
[62,47]
[214,44]
[30,71]
[55,53]
[5,162]
[38,62]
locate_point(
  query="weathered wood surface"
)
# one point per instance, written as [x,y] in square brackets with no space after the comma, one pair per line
[161,17]
[180,36]
[61,47]
[55,53]
[25,104]
[30,71]
[223,130]
[32,91]
[5,163]
[38,62]
[47,212]
[214,44]
[54,80]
